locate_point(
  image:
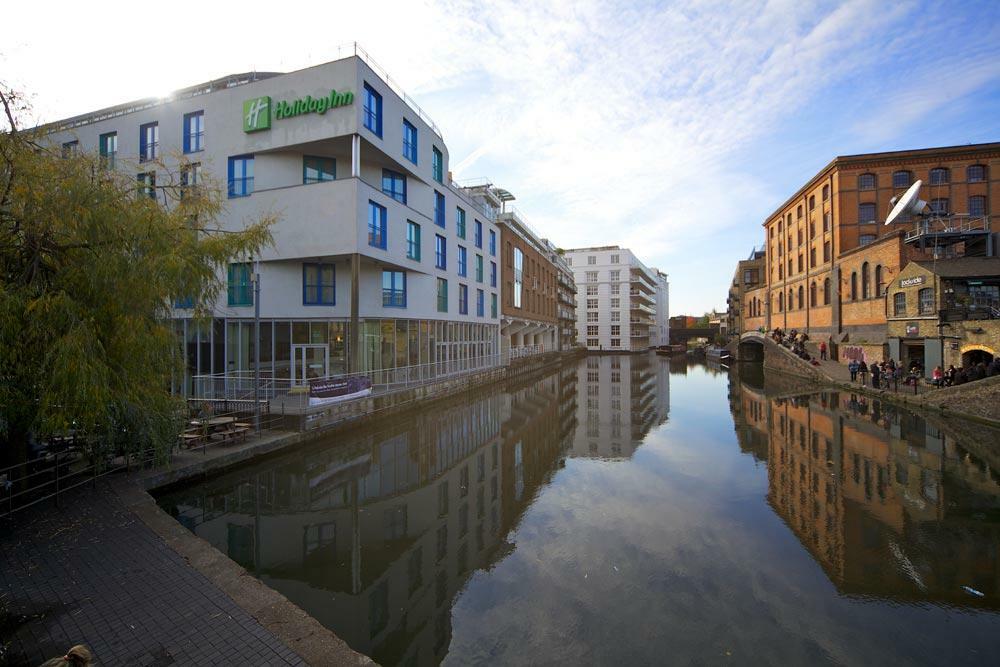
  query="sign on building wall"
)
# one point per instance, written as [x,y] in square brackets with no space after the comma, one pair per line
[910,282]
[257,112]
[912,329]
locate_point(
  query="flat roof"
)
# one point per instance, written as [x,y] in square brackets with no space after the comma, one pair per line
[963,267]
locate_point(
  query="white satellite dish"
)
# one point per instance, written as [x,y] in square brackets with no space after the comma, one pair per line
[908,203]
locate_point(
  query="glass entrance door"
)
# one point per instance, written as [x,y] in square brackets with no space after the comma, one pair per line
[308,362]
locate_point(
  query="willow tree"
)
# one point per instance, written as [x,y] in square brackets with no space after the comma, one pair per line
[89,270]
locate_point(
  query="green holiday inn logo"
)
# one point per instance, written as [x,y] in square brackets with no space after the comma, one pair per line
[257,114]
[257,111]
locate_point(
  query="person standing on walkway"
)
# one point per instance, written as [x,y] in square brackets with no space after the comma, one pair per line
[852,366]
[876,372]
[863,371]
[822,350]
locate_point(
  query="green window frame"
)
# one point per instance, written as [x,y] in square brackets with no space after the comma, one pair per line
[412,240]
[239,290]
[316,169]
[442,295]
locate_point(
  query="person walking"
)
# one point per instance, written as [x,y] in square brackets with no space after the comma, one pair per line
[852,366]
[822,350]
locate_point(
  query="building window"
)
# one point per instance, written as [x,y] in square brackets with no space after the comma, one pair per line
[377,223]
[616,316]
[899,303]
[239,292]
[493,243]
[812,257]
[394,185]
[939,206]
[190,178]
[479,268]
[975,173]
[866,239]
[108,148]
[866,182]
[865,282]
[798,212]
[939,176]
[412,240]
[854,286]
[827,219]
[801,267]
[592,316]
[194,132]
[866,213]
[437,164]
[439,209]
[460,222]
[781,301]
[879,287]
[826,292]
[812,294]
[480,303]
[373,110]
[394,289]
[591,260]
[493,305]
[802,302]
[493,274]
[616,330]
[462,259]
[318,285]
[615,259]
[518,276]
[409,141]
[826,251]
[826,192]
[592,304]
[318,169]
[901,179]
[70,148]
[149,141]
[442,295]
[925,299]
[592,330]
[812,202]
[240,176]
[479,234]
[147,184]
[616,302]
[591,276]
[591,290]
[977,205]
[463,299]
[440,252]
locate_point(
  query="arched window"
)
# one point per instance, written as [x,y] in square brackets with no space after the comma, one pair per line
[781,301]
[866,182]
[812,202]
[879,287]
[854,286]
[975,173]
[925,301]
[901,179]
[826,192]
[801,300]
[812,294]
[865,283]
[791,299]
[826,292]
[940,176]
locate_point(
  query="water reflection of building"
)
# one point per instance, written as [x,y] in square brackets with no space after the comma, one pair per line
[374,538]
[885,502]
[622,397]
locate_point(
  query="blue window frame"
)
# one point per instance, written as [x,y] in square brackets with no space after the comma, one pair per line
[194,132]
[373,110]
[463,299]
[437,164]
[147,183]
[438,209]
[108,148]
[493,305]
[493,274]
[440,252]
[460,222]
[479,234]
[240,175]
[318,169]
[184,303]
[479,268]
[493,243]
[239,292]
[377,222]
[463,268]
[412,240]
[409,141]
[442,295]
[319,284]
[480,303]
[394,185]
[394,289]
[149,141]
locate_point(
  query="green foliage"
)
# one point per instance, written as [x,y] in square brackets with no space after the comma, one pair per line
[89,269]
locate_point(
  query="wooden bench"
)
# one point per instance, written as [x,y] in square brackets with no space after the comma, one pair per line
[192,439]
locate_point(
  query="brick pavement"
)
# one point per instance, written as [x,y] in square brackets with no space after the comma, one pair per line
[92,572]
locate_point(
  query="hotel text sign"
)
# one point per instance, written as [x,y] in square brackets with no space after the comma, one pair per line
[257,112]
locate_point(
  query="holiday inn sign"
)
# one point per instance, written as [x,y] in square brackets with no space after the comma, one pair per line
[257,111]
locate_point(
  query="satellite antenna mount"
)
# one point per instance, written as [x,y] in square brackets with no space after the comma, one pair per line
[909,203]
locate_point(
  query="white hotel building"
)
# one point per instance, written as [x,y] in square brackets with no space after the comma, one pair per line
[371,265]
[617,299]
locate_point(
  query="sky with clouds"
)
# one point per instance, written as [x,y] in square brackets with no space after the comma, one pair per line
[671,128]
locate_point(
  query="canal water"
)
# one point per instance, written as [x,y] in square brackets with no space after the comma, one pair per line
[631,510]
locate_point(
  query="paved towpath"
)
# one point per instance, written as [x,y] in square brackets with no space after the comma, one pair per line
[93,572]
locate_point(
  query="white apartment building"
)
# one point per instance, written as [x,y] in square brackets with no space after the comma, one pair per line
[659,333]
[371,265]
[616,298]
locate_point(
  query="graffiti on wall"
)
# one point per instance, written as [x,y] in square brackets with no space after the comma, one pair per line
[853,353]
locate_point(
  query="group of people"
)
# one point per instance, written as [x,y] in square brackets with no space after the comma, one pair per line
[794,341]
[974,372]
[884,374]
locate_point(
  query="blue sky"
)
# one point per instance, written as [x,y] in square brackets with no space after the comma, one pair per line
[669,128]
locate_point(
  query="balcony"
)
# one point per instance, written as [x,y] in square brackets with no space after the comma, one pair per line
[948,230]
[640,296]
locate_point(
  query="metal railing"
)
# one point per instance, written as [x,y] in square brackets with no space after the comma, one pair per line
[958,223]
